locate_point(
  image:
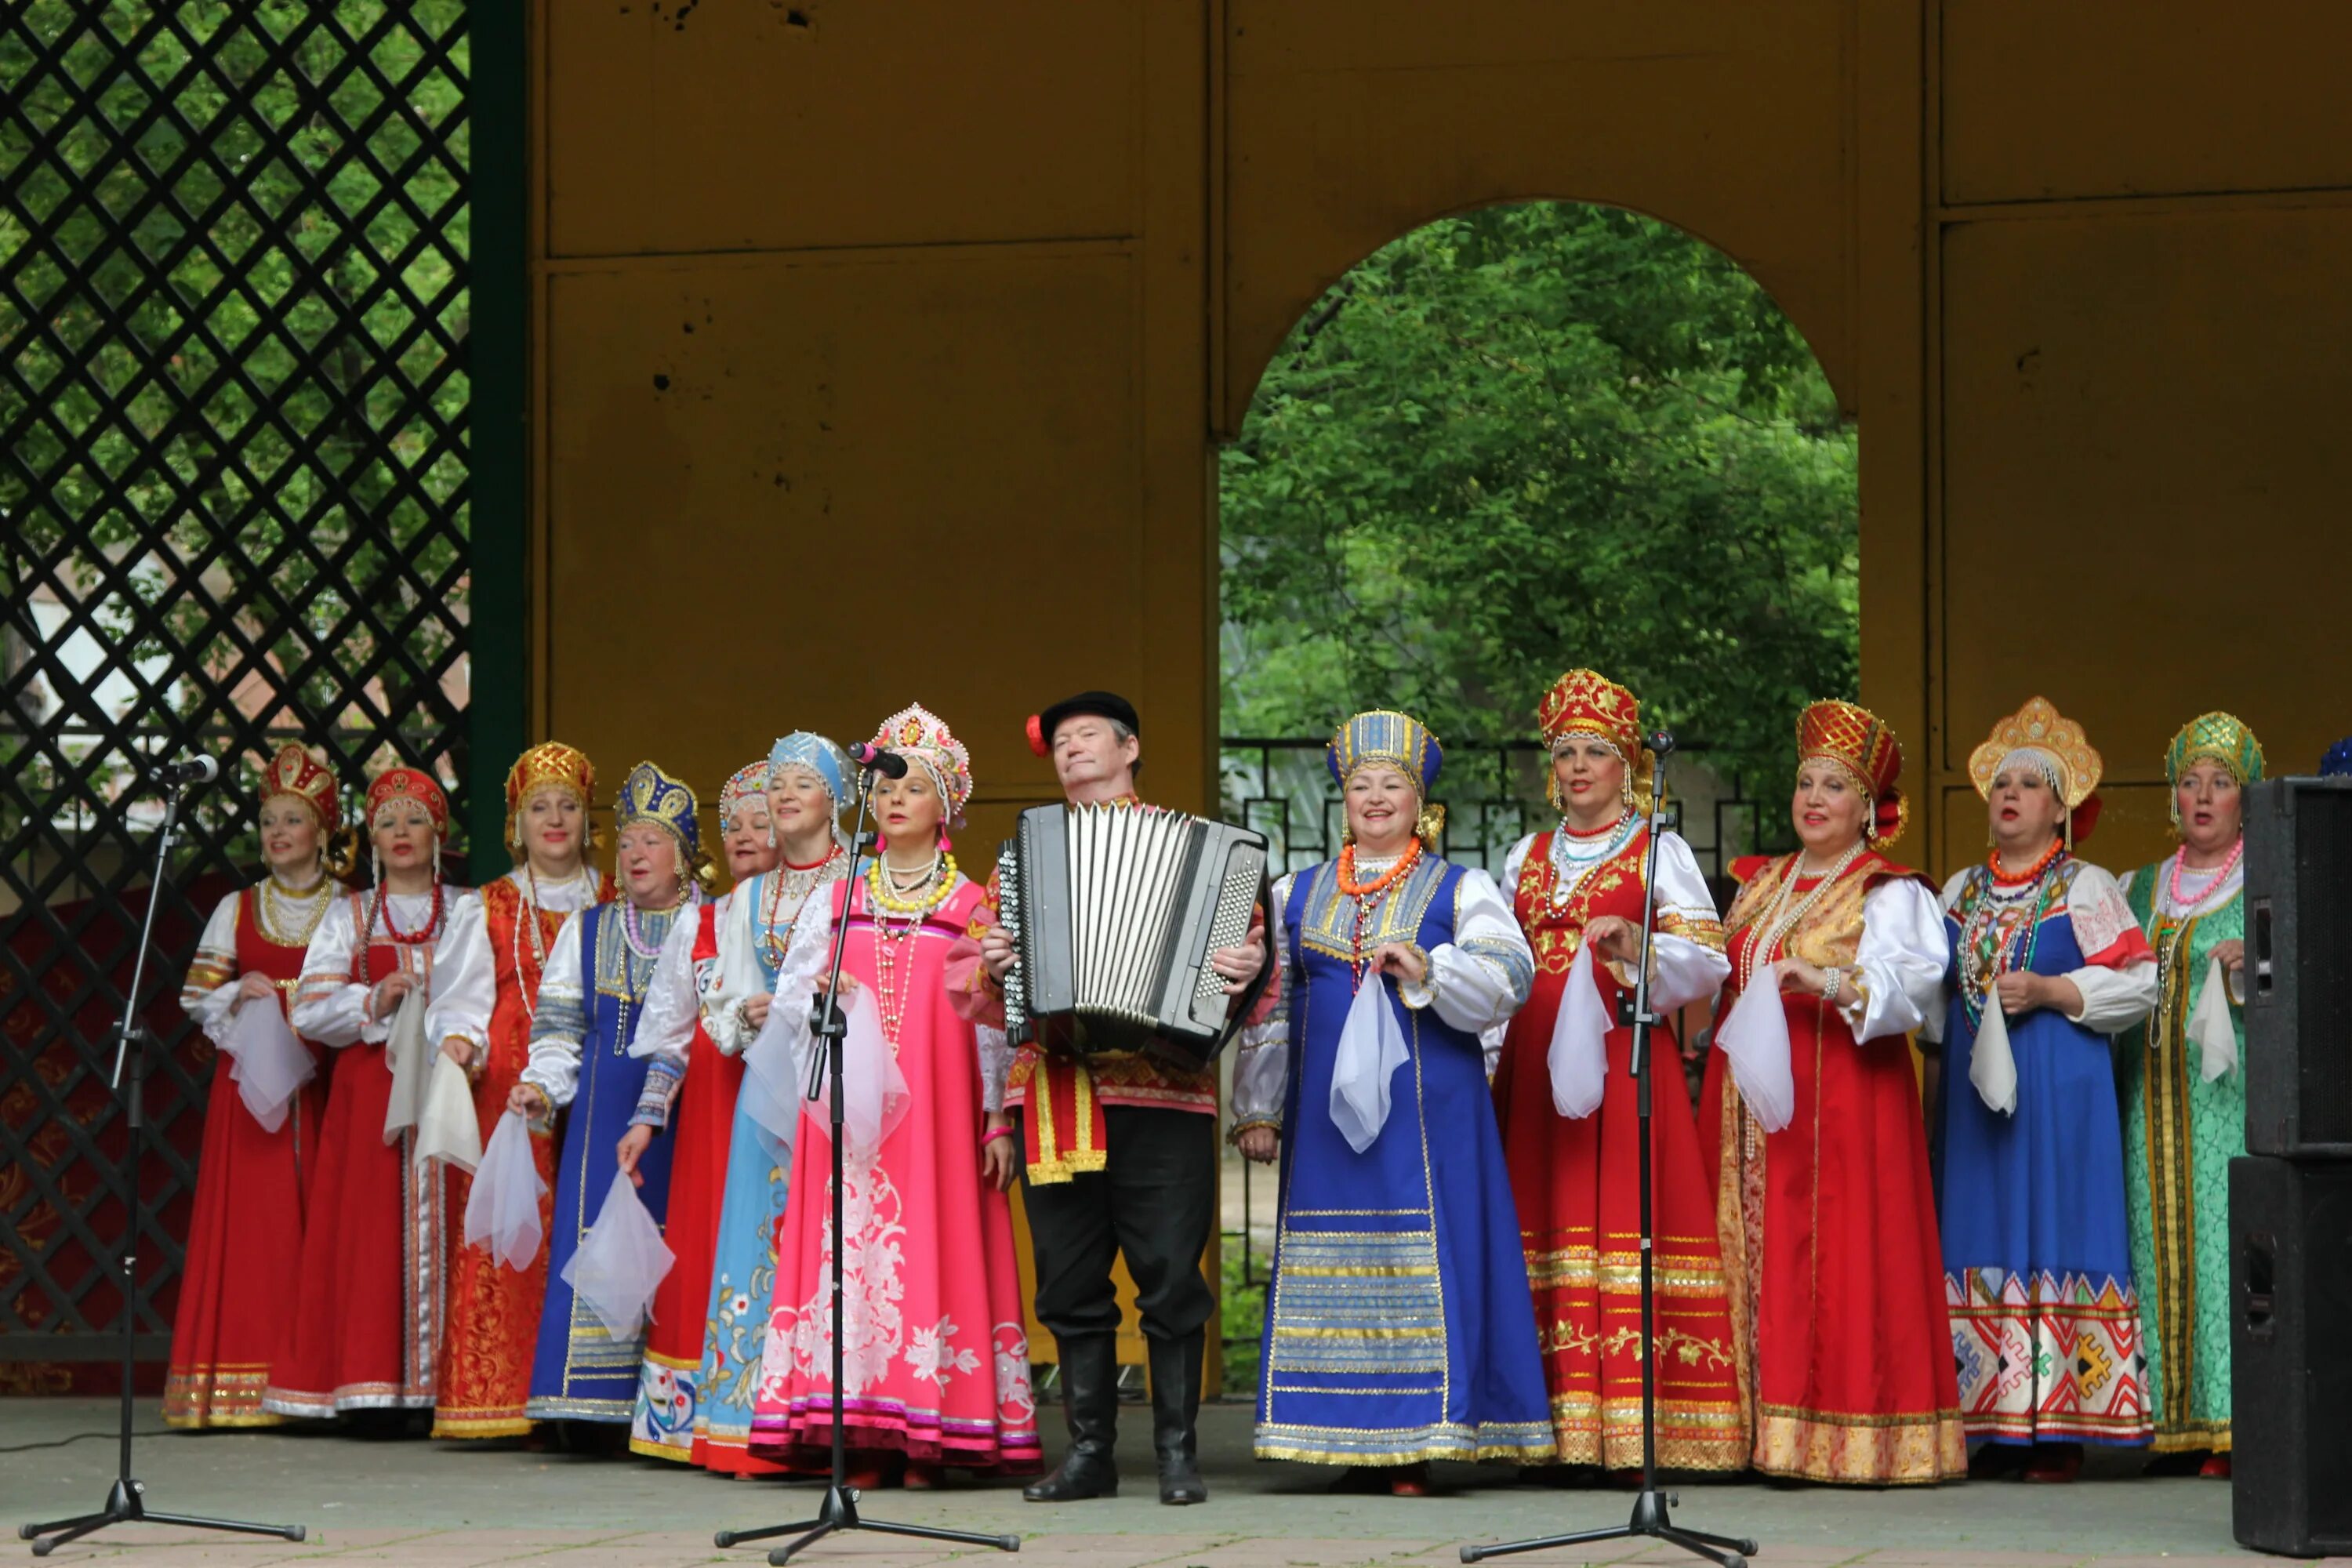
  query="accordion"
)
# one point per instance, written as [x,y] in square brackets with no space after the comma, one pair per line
[1113,913]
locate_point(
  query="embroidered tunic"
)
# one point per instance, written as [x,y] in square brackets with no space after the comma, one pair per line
[2037,1262]
[589,1003]
[937,1359]
[1398,1325]
[1578,1183]
[2180,1131]
[365,1333]
[498,947]
[1829,1225]
[245,1228]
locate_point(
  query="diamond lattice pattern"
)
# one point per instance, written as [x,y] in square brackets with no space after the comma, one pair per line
[233,394]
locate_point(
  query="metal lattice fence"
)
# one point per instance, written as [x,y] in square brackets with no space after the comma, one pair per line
[1494,796]
[233,469]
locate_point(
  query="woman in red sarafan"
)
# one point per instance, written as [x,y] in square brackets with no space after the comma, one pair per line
[498,942]
[1829,1223]
[364,1328]
[244,1231]
[1575,1167]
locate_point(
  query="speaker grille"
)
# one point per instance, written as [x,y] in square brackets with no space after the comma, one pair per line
[2323,960]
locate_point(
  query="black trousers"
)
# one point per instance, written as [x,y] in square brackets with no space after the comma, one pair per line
[1155,1200]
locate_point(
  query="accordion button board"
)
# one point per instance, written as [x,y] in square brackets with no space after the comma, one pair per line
[1114,911]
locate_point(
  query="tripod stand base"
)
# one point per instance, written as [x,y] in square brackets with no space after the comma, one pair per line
[126,1504]
[839,1511]
[1650,1520]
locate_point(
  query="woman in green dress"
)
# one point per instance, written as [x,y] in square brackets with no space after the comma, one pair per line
[2185,1106]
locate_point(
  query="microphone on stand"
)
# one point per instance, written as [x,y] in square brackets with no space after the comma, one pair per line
[881,759]
[1662,741]
[198,769]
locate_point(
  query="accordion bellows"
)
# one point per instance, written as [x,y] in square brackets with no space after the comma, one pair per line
[1114,913]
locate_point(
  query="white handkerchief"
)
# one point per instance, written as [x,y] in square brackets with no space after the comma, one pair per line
[448,1130]
[1756,1040]
[1993,1067]
[1579,1058]
[873,1090]
[411,1061]
[770,1094]
[2209,1026]
[1372,1048]
[267,1063]
[502,1209]
[621,1261]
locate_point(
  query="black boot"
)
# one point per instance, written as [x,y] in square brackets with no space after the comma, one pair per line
[1175,1410]
[1090,1403]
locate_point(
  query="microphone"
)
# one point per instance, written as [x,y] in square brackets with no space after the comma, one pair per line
[880,759]
[1662,741]
[195,769]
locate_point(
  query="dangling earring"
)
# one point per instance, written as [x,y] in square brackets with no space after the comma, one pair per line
[437,860]
[1626,787]
[375,865]
[1348,835]
[772,843]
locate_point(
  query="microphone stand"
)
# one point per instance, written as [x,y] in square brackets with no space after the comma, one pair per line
[830,1030]
[1651,1517]
[126,1501]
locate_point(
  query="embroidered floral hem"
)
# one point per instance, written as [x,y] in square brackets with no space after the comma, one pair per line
[1869,1450]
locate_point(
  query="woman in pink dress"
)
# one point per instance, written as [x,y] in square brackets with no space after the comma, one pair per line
[936,1361]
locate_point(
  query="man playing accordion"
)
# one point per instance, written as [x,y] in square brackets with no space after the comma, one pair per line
[1121,1157]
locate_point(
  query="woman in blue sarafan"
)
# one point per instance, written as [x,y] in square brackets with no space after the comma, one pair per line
[2047,960]
[1398,1327]
[591,998]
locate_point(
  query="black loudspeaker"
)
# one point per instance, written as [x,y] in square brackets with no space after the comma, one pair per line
[2299,967]
[2291,1358]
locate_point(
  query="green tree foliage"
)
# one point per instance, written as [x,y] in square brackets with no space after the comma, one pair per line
[231,381]
[1530,438]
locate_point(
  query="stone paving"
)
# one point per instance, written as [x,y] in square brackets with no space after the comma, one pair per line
[440,1506]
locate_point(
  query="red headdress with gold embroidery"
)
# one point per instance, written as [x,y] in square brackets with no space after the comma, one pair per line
[1585,703]
[304,775]
[409,784]
[1859,742]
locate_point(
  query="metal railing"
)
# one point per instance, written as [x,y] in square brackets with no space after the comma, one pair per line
[1493,793]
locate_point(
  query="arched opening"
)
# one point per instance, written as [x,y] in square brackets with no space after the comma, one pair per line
[1507,443]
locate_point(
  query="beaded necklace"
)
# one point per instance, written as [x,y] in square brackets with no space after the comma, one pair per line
[629,928]
[1994,938]
[1571,865]
[380,904]
[1369,895]
[629,987]
[2182,903]
[1784,919]
[776,927]
[311,907]
[528,917]
[894,981]
[2005,878]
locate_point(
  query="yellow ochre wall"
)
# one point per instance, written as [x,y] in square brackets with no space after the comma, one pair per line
[882,350]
